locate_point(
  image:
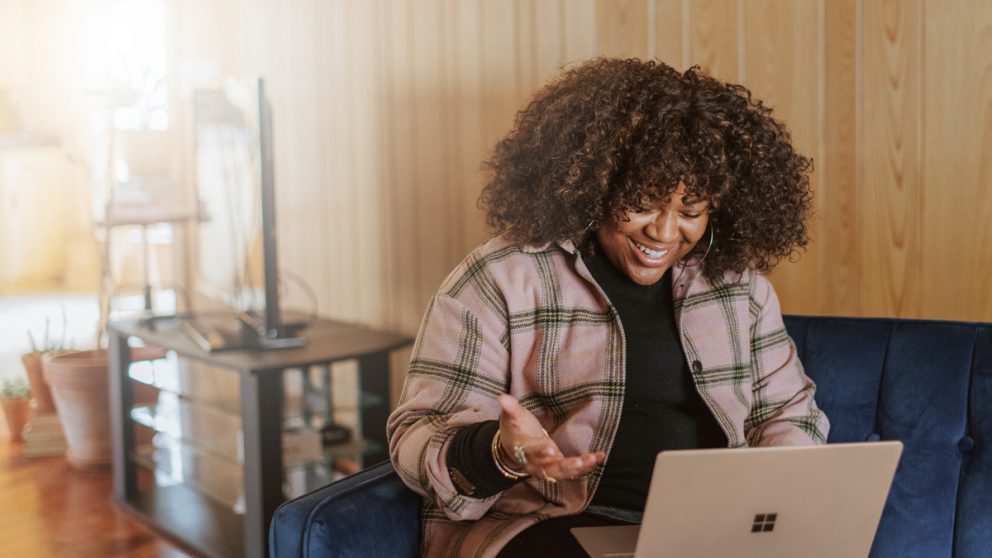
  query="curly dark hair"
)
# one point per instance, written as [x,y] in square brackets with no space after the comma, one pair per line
[610,135]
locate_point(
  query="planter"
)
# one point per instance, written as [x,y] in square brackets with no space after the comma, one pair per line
[40,393]
[16,412]
[80,386]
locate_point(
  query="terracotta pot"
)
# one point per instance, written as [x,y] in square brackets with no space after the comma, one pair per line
[16,411]
[40,393]
[80,385]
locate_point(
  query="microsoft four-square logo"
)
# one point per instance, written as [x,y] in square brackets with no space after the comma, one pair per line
[764,522]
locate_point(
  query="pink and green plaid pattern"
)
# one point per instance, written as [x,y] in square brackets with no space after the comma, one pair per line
[531,322]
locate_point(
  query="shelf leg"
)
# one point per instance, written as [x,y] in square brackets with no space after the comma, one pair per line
[261,424]
[373,377]
[122,432]
[327,395]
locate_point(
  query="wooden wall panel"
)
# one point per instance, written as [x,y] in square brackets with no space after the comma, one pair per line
[580,29]
[670,27]
[957,201]
[301,147]
[838,238]
[622,28]
[548,40]
[402,157]
[470,142]
[386,109]
[714,37]
[331,192]
[500,88]
[891,194]
[365,119]
[429,179]
[782,69]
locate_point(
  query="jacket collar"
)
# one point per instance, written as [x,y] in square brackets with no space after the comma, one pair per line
[567,245]
[684,273]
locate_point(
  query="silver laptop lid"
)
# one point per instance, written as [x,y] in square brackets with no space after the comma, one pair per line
[810,501]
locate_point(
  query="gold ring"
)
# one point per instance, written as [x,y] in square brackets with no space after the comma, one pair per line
[548,478]
[519,455]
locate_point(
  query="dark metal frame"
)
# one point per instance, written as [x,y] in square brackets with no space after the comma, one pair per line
[261,397]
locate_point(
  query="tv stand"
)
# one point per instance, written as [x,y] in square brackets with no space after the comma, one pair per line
[210,462]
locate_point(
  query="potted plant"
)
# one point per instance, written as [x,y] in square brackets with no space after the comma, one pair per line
[42,402]
[14,397]
[80,385]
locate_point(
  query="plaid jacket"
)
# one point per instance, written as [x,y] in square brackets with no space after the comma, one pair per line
[533,323]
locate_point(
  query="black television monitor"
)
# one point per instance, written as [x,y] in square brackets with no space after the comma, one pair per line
[237,264]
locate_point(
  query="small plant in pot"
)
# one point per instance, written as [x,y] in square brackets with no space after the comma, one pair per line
[14,397]
[42,402]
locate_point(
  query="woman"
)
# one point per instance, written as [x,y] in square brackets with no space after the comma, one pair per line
[621,310]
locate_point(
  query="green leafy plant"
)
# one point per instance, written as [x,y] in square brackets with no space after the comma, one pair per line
[16,388]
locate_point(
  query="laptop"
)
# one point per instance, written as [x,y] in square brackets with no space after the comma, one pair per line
[810,501]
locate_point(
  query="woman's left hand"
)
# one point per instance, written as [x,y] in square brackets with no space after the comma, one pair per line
[526,445]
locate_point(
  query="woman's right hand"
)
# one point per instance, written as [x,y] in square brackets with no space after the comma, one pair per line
[519,428]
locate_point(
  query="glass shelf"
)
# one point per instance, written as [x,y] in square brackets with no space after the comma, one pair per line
[207,428]
[176,463]
[218,387]
[192,380]
[338,463]
[318,404]
[173,463]
[219,434]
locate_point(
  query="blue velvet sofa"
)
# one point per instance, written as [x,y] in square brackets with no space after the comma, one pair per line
[926,383]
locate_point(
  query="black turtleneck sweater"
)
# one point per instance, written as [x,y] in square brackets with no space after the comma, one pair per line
[661,408]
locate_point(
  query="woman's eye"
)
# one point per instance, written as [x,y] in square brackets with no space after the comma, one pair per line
[691,215]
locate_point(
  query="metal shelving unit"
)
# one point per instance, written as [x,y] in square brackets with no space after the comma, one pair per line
[232,435]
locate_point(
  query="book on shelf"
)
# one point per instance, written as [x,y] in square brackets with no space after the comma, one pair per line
[43,436]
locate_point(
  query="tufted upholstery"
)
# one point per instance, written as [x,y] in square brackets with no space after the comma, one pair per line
[926,383]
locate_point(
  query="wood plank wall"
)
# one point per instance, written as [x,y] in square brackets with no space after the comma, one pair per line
[384,110]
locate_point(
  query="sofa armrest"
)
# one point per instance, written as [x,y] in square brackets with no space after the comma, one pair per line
[371,513]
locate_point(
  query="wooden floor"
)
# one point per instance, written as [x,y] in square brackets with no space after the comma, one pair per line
[48,509]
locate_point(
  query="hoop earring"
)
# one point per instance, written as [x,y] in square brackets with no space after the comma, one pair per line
[685,264]
[708,247]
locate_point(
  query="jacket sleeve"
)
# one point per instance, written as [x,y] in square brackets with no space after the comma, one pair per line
[458,367]
[783,411]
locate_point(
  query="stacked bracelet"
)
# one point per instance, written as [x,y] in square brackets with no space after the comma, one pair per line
[505,469]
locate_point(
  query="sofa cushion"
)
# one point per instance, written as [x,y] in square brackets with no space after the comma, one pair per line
[973,525]
[900,380]
[369,514]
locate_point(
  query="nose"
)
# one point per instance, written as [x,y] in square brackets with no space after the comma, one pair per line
[664,227]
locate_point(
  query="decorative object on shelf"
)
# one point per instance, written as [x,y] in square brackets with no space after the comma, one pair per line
[79,384]
[43,435]
[335,434]
[14,398]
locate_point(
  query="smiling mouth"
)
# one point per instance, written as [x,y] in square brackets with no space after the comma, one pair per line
[653,254]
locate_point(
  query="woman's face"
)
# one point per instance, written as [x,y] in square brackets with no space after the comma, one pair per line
[645,244]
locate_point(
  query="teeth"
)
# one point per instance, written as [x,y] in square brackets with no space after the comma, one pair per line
[650,252]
